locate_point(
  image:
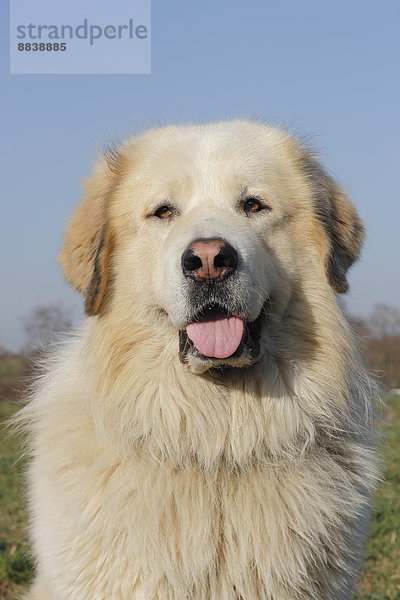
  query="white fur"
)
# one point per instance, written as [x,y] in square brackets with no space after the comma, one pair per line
[152,481]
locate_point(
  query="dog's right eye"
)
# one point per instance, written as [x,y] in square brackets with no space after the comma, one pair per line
[164,212]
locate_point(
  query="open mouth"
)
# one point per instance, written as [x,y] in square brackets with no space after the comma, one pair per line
[214,333]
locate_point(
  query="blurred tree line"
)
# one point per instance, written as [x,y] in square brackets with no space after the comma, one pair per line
[44,325]
[379,337]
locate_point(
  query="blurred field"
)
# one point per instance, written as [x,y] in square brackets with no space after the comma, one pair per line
[380,577]
[16,567]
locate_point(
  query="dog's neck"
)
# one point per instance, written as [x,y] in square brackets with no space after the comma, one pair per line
[147,401]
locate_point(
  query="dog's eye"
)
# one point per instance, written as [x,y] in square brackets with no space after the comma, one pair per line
[164,212]
[253,205]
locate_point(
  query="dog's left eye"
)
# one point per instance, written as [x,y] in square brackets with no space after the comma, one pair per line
[164,212]
[253,205]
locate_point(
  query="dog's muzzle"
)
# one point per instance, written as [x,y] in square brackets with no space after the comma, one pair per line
[217,332]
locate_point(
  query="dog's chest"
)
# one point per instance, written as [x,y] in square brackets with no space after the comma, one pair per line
[142,529]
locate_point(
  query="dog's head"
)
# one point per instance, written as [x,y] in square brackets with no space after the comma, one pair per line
[204,230]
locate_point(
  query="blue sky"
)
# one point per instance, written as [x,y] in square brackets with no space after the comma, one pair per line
[330,70]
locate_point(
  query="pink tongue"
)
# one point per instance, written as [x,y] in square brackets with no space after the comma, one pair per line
[218,337]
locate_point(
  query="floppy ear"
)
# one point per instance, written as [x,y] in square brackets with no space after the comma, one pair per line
[88,240]
[341,223]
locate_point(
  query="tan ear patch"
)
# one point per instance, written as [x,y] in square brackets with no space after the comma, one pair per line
[346,233]
[88,240]
[343,227]
[96,291]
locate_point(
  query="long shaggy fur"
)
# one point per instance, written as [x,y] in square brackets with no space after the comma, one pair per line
[150,480]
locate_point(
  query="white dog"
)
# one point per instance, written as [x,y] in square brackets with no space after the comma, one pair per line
[206,435]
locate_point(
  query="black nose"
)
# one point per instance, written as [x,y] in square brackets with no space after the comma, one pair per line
[209,260]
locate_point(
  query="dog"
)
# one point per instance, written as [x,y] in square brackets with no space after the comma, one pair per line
[208,433]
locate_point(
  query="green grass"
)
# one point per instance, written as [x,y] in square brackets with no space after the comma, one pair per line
[379,579]
[16,567]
